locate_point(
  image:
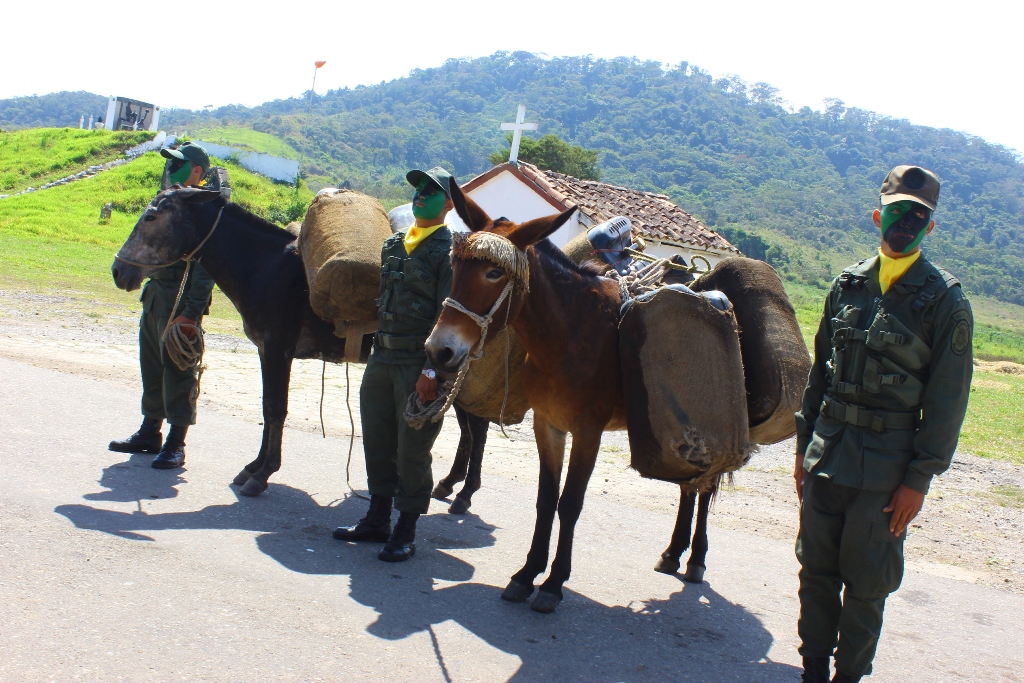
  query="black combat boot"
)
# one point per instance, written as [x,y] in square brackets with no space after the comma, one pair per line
[146,440]
[375,526]
[172,455]
[401,546]
[815,670]
[845,678]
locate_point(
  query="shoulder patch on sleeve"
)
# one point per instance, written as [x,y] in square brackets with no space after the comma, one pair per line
[962,335]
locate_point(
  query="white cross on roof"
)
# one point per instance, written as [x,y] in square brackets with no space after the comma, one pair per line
[518,127]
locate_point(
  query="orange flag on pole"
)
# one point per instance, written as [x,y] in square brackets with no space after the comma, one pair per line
[320,64]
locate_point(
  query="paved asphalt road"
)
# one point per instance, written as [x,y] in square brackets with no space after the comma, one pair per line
[110,570]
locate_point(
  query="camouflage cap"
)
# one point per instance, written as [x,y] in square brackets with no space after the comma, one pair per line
[189,152]
[440,176]
[910,182]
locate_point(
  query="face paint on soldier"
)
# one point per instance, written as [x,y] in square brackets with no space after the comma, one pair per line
[178,171]
[428,201]
[904,225]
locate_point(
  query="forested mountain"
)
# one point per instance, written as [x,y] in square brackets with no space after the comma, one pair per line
[794,187]
[57,110]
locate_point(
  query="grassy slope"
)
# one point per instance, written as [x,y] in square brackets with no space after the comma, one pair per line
[246,138]
[33,157]
[55,240]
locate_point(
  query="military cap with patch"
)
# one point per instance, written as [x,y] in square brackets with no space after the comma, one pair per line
[910,182]
[189,152]
[441,178]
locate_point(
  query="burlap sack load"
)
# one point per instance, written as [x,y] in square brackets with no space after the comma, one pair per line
[340,243]
[775,358]
[682,374]
[484,387]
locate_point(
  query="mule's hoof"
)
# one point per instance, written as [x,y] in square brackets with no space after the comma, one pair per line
[241,478]
[694,574]
[545,603]
[253,487]
[516,592]
[441,491]
[459,506]
[667,564]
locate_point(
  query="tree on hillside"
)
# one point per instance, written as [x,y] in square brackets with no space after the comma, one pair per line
[551,153]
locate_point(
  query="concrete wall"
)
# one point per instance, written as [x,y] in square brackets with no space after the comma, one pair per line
[278,168]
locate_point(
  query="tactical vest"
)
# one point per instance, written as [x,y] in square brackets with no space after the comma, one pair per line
[409,301]
[882,350]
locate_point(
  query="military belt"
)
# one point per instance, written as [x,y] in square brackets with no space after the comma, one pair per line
[878,420]
[397,343]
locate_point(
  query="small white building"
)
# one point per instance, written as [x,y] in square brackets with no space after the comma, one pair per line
[522,192]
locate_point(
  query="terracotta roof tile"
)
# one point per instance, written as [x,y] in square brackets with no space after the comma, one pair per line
[653,216]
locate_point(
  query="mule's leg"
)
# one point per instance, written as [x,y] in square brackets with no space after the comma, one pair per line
[277,367]
[261,457]
[551,448]
[446,486]
[582,458]
[478,429]
[698,553]
[669,562]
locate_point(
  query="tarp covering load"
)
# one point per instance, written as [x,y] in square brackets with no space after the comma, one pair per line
[682,374]
[775,358]
[340,242]
[483,390]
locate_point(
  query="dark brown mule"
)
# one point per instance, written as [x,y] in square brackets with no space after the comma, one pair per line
[567,317]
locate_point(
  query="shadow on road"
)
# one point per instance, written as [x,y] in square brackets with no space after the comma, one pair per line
[694,635]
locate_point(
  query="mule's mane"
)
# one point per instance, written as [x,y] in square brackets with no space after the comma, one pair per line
[499,250]
[252,220]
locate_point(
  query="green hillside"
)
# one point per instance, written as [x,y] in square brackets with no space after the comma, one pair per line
[247,139]
[55,110]
[55,237]
[795,188]
[34,157]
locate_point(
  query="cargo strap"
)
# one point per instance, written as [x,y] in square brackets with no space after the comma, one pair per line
[394,342]
[878,420]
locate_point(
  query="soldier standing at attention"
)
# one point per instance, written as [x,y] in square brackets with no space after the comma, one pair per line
[881,416]
[415,279]
[167,391]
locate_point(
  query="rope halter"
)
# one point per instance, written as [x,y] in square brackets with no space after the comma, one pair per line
[487,246]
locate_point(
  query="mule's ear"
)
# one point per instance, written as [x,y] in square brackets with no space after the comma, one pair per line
[469,211]
[198,195]
[534,231]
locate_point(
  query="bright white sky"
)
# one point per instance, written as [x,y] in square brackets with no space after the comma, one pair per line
[938,63]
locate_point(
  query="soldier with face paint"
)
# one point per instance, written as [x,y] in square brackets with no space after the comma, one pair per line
[168,392]
[881,416]
[415,279]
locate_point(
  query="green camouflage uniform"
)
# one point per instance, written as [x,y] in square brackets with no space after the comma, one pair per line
[167,391]
[884,404]
[412,289]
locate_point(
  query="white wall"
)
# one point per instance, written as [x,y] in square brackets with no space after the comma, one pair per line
[506,195]
[268,165]
[663,250]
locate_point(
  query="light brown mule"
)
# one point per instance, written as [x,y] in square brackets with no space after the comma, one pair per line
[567,317]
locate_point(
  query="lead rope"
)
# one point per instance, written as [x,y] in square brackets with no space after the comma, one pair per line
[418,413]
[351,438]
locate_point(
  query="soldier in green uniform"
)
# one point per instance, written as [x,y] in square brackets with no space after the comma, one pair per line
[881,416]
[415,279]
[167,391]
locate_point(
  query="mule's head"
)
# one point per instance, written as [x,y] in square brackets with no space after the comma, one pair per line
[173,224]
[490,259]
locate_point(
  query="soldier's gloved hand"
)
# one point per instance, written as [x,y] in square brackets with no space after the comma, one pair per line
[798,475]
[904,506]
[187,324]
[426,388]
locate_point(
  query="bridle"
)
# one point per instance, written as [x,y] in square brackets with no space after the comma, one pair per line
[499,250]
[187,258]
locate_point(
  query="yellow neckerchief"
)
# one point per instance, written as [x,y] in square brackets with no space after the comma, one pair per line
[416,235]
[892,269]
